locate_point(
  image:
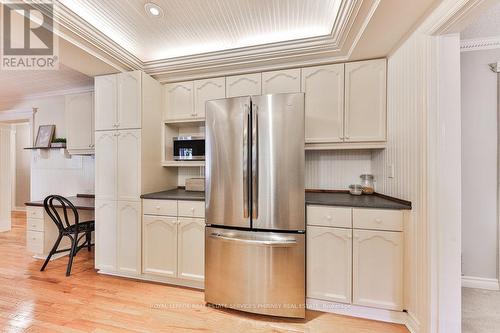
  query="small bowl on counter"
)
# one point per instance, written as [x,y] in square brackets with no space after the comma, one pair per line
[356,189]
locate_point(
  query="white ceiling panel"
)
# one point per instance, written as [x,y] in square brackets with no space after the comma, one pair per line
[191,27]
[486,25]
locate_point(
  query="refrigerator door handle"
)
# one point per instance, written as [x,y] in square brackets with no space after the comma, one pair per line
[246,122]
[255,162]
[272,243]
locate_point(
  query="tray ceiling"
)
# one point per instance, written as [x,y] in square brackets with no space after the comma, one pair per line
[200,26]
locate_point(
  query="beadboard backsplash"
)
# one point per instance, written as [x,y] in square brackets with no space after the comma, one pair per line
[336,170]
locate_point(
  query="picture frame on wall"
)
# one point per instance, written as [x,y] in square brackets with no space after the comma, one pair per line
[45,136]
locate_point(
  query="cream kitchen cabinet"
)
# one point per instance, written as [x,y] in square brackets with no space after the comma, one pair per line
[365,101]
[159,245]
[358,252]
[105,231]
[179,100]
[191,240]
[206,90]
[128,231]
[118,101]
[324,103]
[186,100]
[329,263]
[119,165]
[79,113]
[244,85]
[173,240]
[284,81]
[378,269]
[126,165]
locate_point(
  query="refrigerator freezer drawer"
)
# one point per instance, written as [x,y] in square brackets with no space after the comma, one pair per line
[258,272]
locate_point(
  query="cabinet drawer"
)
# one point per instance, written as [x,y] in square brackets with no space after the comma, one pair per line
[34,212]
[329,216]
[377,219]
[34,241]
[34,224]
[160,207]
[192,208]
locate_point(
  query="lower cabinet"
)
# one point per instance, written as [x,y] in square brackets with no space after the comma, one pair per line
[329,263]
[173,246]
[356,266]
[118,236]
[191,243]
[159,247]
[378,269]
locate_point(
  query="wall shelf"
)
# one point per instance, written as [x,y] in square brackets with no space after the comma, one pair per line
[183,163]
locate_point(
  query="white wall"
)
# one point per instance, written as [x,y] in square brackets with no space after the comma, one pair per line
[6,172]
[479,164]
[22,165]
[51,171]
[336,170]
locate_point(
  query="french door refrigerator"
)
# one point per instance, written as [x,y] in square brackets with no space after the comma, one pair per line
[255,232]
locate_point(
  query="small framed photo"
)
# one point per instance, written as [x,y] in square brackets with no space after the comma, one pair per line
[45,136]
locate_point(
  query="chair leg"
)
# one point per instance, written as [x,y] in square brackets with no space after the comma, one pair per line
[88,238]
[54,249]
[74,244]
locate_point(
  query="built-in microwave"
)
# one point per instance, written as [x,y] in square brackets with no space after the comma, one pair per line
[189,148]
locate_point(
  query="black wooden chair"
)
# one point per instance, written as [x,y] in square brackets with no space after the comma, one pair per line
[66,229]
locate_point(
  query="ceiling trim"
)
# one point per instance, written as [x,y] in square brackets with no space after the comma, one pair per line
[315,50]
[478,44]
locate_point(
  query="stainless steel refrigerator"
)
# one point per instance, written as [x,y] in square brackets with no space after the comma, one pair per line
[255,232]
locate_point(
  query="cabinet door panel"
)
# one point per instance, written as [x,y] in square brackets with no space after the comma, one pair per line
[324,103]
[365,101]
[80,121]
[179,100]
[105,165]
[278,82]
[159,245]
[129,100]
[105,235]
[378,269]
[105,102]
[129,165]
[129,237]
[206,90]
[191,249]
[244,85]
[329,264]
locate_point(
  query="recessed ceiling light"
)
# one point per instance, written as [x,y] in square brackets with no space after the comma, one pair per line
[153,9]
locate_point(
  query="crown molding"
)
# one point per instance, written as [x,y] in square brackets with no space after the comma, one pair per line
[64,92]
[334,47]
[479,44]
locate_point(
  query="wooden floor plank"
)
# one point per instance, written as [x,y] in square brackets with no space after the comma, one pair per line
[34,301]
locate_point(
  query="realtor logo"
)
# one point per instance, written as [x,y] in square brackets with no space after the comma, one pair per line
[28,39]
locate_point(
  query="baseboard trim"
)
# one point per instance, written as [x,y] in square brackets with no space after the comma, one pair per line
[412,324]
[156,279]
[480,283]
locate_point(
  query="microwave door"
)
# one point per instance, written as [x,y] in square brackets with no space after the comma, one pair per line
[227,162]
[278,158]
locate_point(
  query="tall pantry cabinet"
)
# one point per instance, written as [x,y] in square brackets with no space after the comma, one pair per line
[127,150]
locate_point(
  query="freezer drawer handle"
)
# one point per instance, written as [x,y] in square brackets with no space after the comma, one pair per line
[275,243]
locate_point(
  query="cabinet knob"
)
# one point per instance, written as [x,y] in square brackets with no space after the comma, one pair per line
[157,207]
[378,221]
[328,217]
[346,137]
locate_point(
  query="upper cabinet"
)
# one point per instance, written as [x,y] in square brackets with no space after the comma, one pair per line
[244,85]
[80,123]
[365,101]
[278,82]
[324,103]
[118,101]
[206,90]
[179,100]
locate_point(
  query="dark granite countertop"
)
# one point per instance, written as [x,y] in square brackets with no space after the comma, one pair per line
[312,198]
[81,201]
[363,201]
[175,194]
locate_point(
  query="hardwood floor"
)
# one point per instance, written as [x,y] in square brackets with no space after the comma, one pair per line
[34,301]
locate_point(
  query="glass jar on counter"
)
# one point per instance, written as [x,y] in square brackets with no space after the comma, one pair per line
[367,183]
